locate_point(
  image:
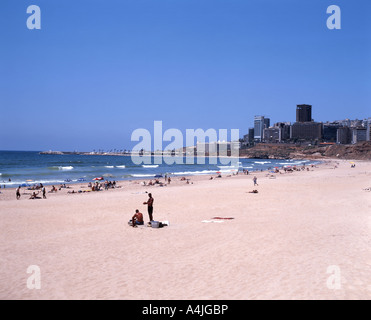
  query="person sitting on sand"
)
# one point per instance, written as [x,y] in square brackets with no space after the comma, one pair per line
[137,218]
[34,195]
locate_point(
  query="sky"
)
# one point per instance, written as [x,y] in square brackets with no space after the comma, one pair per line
[98,70]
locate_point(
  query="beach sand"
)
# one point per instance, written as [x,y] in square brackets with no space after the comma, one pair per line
[301,231]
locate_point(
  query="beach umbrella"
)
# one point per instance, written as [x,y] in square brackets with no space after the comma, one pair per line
[158,176]
[99,178]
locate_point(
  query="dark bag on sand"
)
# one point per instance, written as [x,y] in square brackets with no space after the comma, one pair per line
[156,224]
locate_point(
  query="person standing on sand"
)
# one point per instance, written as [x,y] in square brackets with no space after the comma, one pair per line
[18,193]
[44,193]
[149,203]
[255,179]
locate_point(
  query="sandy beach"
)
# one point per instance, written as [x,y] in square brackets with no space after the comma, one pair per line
[283,242]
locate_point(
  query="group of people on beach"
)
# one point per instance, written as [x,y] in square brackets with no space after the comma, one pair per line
[34,195]
[98,186]
[157,182]
[151,183]
[137,218]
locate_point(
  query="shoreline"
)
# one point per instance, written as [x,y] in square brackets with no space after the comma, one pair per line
[136,180]
[138,183]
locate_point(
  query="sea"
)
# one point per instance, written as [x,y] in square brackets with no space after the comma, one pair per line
[27,168]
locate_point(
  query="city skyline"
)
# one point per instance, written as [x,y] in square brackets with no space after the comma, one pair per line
[93,74]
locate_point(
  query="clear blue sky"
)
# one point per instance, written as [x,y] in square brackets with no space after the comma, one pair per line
[97,70]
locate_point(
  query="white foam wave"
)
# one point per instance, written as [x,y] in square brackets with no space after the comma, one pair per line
[149,165]
[227,167]
[65,168]
[31,183]
[291,163]
[110,167]
[142,175]
[205,172]
[262,162]
[194,172]
[228,170]
[121,167]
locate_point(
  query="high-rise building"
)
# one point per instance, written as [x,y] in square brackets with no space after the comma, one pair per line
[272,135]
[284,130]
[307,131]
[303,113]
[343,135]
[330,132]
[251,135]
[260,123]
[358,134]
[267,123]
[368,129]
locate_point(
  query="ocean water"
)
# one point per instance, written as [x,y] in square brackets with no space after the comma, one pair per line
[31,167]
